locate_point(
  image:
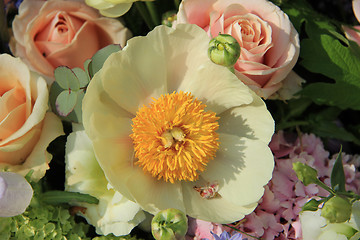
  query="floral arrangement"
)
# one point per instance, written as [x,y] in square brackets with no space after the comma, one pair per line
[192,119]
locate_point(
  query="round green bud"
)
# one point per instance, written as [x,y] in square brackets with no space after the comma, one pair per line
[169,224]
[168,18]
[337,210]
[224,50]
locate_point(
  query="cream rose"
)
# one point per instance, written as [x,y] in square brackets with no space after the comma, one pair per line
[269,42]
[26,129]
[48,34]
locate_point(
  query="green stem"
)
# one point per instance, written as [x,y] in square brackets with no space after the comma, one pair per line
[153,12]
[324,186]
[349,194]
[144,14]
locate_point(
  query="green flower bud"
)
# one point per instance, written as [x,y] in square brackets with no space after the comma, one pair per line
[168,18]
[337,210]
[224,50]
[169,224]
[305,173]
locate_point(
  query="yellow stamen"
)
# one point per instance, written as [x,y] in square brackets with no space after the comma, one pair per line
[174,138]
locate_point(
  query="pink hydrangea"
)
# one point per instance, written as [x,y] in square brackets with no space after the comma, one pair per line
[277,215]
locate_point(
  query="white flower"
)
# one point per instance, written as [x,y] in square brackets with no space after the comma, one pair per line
[315,227]
[114,213]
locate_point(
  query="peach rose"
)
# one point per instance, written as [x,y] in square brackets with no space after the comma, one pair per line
[269,42]
[26,129]
[53,33]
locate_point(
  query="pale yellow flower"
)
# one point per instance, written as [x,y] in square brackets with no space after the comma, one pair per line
[171,129]
[111,8]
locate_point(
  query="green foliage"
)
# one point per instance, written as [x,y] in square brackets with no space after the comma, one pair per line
[97,61]
[338,175]
[68,90]
[325,51]
[59,197]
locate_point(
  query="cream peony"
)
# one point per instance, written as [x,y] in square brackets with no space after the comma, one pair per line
[49,34]
[26,128]
[114,213]
[171,129]
[269,43]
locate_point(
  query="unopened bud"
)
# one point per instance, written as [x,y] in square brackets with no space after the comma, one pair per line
[224,50]
[168,18]
[169,224]
[337,210]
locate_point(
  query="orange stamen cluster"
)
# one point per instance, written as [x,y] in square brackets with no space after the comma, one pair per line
[174,138]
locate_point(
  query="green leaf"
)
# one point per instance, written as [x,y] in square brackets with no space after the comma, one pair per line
[338,175]
[65,102]
[329,57]
[312,205]
[66,78]
[86,67]
[82,76]
[100,56]
[58,197]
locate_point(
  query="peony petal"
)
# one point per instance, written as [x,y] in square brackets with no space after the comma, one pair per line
[116,158]
[238,162]
[243,121]
[217,210]
[99,4]
[154,195]
[117,10]
[216,87]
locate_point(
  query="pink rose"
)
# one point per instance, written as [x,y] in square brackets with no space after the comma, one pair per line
[350,33]
[53,33]
[269,42]
[26,128]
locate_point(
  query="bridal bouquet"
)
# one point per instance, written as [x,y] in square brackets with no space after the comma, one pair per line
[192,119]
